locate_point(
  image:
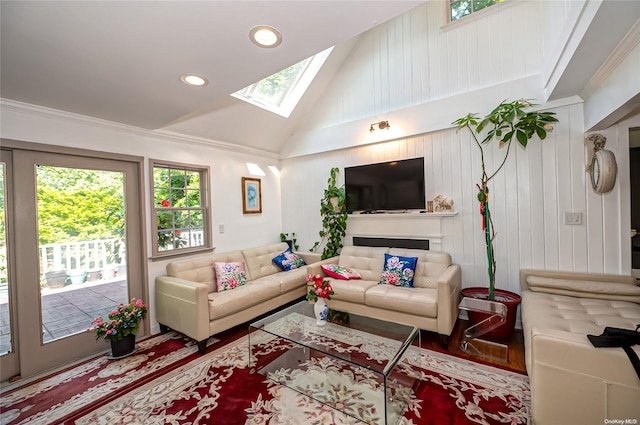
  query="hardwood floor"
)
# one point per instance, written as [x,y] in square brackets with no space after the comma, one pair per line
[515,360]
[431,340]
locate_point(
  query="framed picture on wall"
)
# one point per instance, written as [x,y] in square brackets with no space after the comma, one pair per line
[251,196]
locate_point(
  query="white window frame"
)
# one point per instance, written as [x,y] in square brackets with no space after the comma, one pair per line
[205,207]
[473,12]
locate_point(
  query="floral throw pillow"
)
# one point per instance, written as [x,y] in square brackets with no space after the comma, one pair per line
[398,271]
[339,272]
[289,260]
[229,275]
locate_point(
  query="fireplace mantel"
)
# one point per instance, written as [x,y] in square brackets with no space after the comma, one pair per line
[410,225]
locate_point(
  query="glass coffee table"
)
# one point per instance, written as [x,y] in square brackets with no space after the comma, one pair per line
[349,364]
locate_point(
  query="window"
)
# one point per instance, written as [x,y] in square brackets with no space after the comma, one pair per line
[180,219]
[281,92]
[461,8]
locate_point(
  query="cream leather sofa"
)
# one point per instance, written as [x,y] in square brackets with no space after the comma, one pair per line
[573,382]
[432,304]
[187,299]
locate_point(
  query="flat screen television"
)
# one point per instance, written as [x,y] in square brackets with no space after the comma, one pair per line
[387,186]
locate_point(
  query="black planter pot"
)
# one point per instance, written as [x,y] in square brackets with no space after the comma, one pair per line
[123,347]
[510,299]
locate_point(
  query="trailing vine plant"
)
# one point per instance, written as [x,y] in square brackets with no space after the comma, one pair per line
[506,121]
[284,237]
[334,217]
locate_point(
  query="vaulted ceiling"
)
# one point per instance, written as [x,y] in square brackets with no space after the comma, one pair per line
[122,60]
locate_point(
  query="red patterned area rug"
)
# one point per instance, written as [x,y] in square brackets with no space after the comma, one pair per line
[167,382]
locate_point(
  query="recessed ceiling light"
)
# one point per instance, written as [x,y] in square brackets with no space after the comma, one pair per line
[193,80]
[265,36]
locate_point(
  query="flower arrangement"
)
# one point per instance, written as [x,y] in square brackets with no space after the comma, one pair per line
[123,321]
[320,288]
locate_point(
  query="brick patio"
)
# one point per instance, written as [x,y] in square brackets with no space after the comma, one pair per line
[70,309]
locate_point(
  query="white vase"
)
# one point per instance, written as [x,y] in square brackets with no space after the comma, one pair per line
[321,310]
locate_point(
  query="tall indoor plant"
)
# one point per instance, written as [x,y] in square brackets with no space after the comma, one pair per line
[334,217]
[508,121]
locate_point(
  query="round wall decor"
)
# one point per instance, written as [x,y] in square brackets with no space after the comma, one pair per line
[603,168]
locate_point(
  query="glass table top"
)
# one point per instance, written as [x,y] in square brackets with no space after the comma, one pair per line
[342,335]
[357,355]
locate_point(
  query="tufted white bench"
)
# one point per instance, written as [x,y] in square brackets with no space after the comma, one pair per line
[572,381]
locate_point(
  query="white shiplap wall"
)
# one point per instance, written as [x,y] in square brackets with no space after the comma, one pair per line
[528,199]
[412,60]
[417,57]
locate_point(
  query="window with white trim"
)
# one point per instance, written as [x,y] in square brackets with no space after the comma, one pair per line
[461,8]
[180,214]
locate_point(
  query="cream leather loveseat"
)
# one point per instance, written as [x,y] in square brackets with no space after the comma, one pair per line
[573,382]
[432,304]
[187,299]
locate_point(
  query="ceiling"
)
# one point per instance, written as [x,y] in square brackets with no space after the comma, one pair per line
[122,60]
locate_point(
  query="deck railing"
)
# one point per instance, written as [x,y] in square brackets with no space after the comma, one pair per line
[82,256]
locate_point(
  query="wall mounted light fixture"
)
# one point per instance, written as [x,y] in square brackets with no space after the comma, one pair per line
[382,125]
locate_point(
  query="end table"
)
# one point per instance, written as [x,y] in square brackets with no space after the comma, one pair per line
[471,342]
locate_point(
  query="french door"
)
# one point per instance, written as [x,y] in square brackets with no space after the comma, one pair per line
[634,168]
[74,250]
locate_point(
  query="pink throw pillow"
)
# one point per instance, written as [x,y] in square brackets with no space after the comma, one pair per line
[229,275]
[339,272]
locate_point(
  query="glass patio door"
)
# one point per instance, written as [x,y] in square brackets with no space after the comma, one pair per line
[9,360]
[78,220]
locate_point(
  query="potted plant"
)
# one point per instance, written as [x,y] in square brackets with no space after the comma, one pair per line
[77,276]
[121,328]
[291,241]
[334,217]
[56,278]
[508,121]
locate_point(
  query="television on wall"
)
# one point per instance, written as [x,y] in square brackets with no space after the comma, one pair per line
[386,186]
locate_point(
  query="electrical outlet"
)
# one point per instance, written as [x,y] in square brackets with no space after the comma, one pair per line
[573,218]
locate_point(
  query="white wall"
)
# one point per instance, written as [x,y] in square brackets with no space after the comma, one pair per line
[419,57]
[528,199]
[40,125]
[413,65]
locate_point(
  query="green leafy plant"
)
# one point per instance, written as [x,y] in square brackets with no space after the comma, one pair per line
[334,217]
[506,122]
[123,321]
[294,242]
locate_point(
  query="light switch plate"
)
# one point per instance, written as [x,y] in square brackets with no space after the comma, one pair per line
[573,218]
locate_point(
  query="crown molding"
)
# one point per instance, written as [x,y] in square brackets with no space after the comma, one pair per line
[627,45]
[55,114]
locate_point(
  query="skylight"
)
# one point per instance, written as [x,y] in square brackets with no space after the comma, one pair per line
[281,92]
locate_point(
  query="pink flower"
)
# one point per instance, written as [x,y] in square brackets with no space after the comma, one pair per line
[392,279]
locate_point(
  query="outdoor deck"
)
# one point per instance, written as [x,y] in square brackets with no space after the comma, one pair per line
[70,309]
